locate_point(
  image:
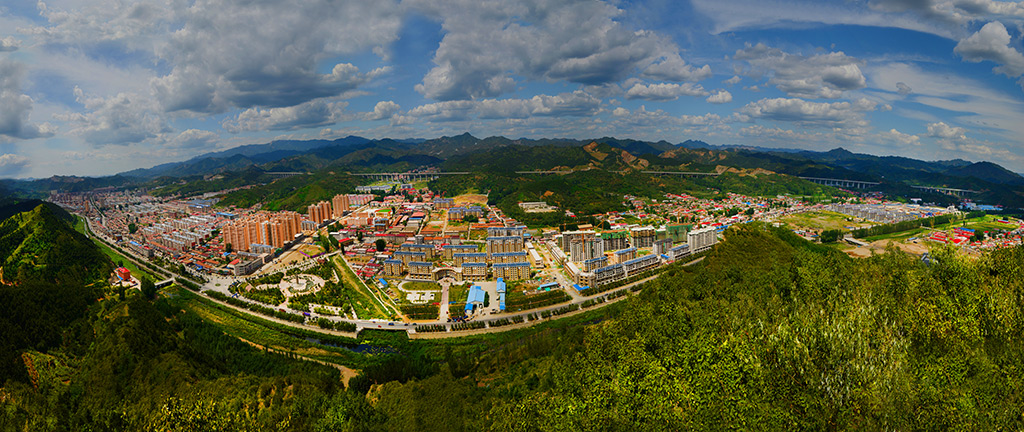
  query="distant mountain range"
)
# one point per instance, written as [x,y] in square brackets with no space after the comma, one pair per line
[467,152]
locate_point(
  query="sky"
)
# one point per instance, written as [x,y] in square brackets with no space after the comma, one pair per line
[97,87]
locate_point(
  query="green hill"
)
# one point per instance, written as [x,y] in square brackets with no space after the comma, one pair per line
[51,273]
[41,245]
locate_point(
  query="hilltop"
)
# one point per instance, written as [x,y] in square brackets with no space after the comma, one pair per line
[41,245]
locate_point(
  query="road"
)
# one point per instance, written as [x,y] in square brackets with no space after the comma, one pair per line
[443,309]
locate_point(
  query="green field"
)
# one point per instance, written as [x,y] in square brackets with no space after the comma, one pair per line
[421,286]
[900,236]
[820,220]
[260,331]
[363,302]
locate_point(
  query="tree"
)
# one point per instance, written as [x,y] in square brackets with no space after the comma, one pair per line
[359,236]
[978,236]
[132,228]
[148,287]
[830,236]
[228,248]
[381,244]
[470,218]
[749,212]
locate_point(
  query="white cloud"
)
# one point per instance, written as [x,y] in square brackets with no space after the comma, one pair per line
[736,15]
[236,54]
[674,68]
[817,76]
[488,43]
[990,8]
[945,131]
[319,112]
[384,110]
[16,106]
[11,165]
[444,111]
[720,97]
[822,114]
[992,43]
[734,80]
[902,138]
[195,139]
[121,119]
[664,91]
[9,44]
[575,104]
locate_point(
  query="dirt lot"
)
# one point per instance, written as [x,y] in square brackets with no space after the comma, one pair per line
[471,199]
[879,247]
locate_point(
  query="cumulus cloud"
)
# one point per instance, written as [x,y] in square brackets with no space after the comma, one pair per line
[9,44]
[945,131]
[642,117]
[575,104]
[992,43]
[486,44]
[195,139]
[314,113]
[221,59]
[12,164]
[384,110]
[990,8]
[720,97]
[903,138]
[818,76]
[824,114]
[674,68]
[734,80]
[664,91]
[16,106]
[903,89]
[122,119]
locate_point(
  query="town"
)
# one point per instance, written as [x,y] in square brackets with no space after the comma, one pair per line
[398,253]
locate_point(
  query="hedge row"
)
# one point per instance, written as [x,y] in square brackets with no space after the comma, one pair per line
[560,311]
[431,328]
[469,325]
[256,307]
[344,326]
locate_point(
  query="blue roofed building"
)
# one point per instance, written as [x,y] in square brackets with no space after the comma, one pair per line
[475,298]
[501,294]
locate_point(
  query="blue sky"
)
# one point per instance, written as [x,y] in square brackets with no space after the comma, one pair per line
[96,87]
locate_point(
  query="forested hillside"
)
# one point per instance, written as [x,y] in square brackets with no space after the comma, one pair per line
[41,245]
[51,273]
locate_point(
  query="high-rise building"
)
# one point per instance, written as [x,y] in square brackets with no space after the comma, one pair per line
[340,204]
[504,244]
[701,240]
[615,239]
[662,246]
[580,246]
[319,212]
[642,237]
